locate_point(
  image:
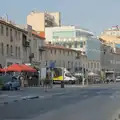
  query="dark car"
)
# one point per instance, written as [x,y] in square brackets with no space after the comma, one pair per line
[9,83]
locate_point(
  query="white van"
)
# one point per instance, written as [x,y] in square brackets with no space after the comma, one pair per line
[62,74]
[68,78]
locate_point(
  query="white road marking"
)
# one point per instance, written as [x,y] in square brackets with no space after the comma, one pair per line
[4,95]
[14,96]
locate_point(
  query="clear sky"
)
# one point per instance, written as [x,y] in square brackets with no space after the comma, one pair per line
[95,15]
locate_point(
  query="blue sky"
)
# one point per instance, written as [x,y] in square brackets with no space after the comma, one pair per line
[95,15]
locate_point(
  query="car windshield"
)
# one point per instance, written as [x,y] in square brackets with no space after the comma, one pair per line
[59,59]
[68,75]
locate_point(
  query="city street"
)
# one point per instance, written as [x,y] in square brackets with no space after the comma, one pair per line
[94,102]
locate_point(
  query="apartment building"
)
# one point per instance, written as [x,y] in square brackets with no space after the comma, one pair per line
[17,44]
[10,43]
[111,36]
[40,20]
[110,60]
[65,57]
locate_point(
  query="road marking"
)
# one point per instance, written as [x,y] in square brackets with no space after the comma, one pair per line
[14,96]
[4,95]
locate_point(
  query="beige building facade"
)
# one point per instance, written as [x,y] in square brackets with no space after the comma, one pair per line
[40,20]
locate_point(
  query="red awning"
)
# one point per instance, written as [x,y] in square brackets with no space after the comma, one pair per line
[14,68]
[28,68]
[19,68]
[1,70]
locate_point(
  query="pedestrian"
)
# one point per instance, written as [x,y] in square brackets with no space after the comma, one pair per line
[22,80]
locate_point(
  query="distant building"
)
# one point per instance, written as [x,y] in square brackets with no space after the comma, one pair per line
[111,37]
[110,60]
[110,51]
[40,20]
[77,39]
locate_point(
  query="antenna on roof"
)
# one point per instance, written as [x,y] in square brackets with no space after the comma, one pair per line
[5,17]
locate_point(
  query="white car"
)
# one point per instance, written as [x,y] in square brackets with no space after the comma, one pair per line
[118,79]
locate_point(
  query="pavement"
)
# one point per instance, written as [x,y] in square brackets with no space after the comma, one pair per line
[93,102]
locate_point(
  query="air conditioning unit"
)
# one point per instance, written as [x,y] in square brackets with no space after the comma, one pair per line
[31,55]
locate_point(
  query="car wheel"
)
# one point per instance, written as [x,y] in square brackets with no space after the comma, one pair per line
[70,82]
[16,88]
[10,87]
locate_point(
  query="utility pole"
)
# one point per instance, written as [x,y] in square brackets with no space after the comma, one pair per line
[83,77]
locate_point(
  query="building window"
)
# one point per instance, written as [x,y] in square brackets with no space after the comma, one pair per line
[6,31]
[75,44]
[68,52]
[11,50]
[16,35]
[40,55]
[60,51]
[2,48]
[11,38]
[81,44]
[55,51]
[70,45]
[51,51]
[7,49]
[63,52]
[91,65]
[2,30]
[94,65]
[19,52]
[16,51]
[98,65]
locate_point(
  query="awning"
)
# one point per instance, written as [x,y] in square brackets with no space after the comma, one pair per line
[28,68]
[1,70]
[19,68]
[14,68]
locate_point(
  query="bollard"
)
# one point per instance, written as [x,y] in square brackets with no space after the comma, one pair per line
[62,84]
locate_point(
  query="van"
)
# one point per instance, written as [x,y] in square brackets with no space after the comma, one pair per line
[62,74]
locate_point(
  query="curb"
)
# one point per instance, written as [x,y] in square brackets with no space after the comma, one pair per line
[31,98]
[25,98]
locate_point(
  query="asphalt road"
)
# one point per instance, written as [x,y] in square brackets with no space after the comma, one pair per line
[101,102]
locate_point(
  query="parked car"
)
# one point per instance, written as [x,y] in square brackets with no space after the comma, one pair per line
[9,83]
[117,79]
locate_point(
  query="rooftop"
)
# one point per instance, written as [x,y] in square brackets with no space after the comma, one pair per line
[40,35]
[12,24]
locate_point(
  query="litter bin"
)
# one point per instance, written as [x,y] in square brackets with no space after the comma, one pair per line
[62,84]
